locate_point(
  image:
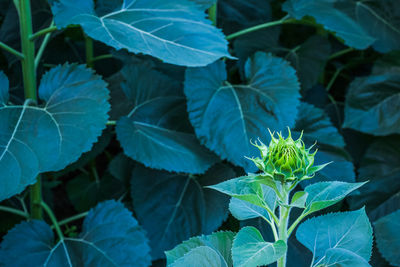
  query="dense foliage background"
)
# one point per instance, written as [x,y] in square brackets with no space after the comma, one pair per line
[181,119]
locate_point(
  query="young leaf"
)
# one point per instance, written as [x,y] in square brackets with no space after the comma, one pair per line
[299,199]
[110,237]
[157,132]
[175,31]
[200,257]
[317,127]
[226,117]
[221,242]
[334,15]
[388,237]
[163,202]
[250,250]
[324,194]
[369,104]
[37,139]
[350,231]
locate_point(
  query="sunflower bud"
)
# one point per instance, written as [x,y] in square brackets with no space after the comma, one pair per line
[286,160]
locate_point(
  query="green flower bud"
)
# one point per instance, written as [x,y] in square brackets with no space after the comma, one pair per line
[286,160]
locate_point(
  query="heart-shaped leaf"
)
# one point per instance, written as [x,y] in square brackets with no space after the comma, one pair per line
[110,237]
[175,31]
[36,139]
[226,117]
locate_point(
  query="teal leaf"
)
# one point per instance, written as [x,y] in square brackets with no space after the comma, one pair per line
[379,166]
[350,231]
[324,194]
[388,237]
[381,19]
[336,16]
[163,201]
[344,258]
[369,104]
[200,257]
[250,250]
[243,210]
[36,139]
[110,237]
[299,199]
[157,132]
[318,128]
[175,31]
[221,242]
[226,117]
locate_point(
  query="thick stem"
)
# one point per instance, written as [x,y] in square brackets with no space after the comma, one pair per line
[283,225]
[89,51]
[29,78]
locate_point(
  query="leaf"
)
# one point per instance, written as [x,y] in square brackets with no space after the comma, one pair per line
[173,207]
[336,16]
[110,237]
[369,104]
[226,117]
[388,237]
[344,258]
[174,31]
[299,199]
[68,124]
[381,19]
[317,127]
[380,166]
[201,257]
[157,132]
[4,87]
[350,231]
[324,194]
[220,242]
[249,249]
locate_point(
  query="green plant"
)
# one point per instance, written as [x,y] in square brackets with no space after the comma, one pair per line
[339,239]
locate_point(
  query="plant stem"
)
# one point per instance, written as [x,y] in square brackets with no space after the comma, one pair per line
[89,51]
[334,77]
[46,31]
[283,20]
[111,123]
[43,47]
[341,53]
[53,219]
[11,50]
[212,13]
[102,57]
[29,78]
[283,224]
[295,223]
[15,211]
[73,218]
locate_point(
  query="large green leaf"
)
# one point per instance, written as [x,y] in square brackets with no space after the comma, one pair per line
[226,117]
[35,139]
[202,256]
[250,250]
[324,194]
[337,16]
[110,237]
[350,231]
[173,207]
[318,128]
[221,242]
[157,132]
[344,258]
[370,104]
[379,166]
[388,237]
[176,31]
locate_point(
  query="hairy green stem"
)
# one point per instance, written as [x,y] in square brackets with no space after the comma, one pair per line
[11,50]
[295,223]
[212,13]
[73,218]
[341,53]
[45,31]
[284,20]
[53,219]
[102,57]
[283,225]
[89,51]
[29,78]
[14,211]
